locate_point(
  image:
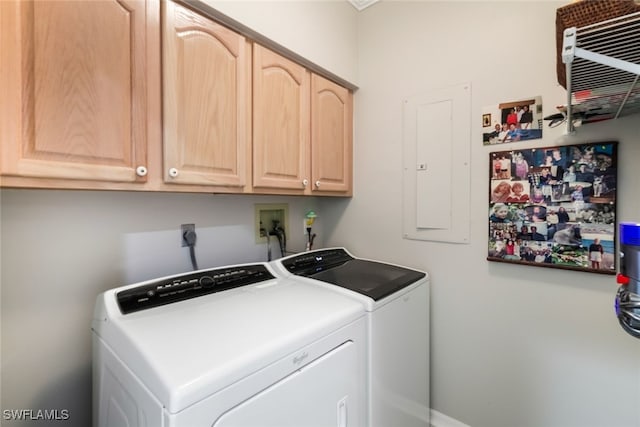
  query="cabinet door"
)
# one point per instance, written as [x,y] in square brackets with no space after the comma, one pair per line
[331,136]
[207,108]
[281,92]
[73,89]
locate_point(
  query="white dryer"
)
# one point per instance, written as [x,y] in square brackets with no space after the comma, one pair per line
[231,346]
[397,302]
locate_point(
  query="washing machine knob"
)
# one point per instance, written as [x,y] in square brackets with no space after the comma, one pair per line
[207,281]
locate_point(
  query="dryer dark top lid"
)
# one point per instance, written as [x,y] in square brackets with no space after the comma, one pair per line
[374,279]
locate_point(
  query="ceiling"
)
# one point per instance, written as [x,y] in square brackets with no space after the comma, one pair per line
[362,4]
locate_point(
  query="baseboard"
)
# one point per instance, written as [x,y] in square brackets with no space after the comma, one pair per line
[441,420]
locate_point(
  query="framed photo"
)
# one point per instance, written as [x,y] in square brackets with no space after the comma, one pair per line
[512,121]
[486,120]
[554,207]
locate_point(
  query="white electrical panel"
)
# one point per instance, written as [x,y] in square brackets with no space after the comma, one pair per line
[437,165]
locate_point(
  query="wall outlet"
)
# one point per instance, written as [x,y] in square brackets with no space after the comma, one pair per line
[266,215]
[183,229]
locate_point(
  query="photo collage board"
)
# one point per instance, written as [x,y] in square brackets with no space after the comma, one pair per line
[554,207]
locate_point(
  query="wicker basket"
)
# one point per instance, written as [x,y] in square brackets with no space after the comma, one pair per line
[586,12]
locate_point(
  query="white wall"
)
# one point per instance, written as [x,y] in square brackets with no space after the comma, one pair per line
[324,32]
[511,345]
[61,248]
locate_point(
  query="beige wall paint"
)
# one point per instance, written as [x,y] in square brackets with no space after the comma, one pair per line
[324,32]
[511,345]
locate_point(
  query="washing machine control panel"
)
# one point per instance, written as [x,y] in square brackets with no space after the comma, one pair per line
[313,262]
[190,285]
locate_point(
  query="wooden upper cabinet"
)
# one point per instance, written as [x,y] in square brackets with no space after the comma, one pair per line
[82,104]
[73,88]
[207,104]
[281,131]
[302,129]
[331,136]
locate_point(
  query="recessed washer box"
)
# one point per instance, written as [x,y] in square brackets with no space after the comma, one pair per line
[265,216]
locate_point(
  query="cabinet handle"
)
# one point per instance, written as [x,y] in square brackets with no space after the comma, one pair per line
[305,182]
[141,171]
[173,172]
[317,184]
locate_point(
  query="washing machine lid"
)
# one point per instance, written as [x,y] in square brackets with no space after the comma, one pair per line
[187,350]
[374,279]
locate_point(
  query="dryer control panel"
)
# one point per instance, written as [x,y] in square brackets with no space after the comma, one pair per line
[190,285]
[310,263]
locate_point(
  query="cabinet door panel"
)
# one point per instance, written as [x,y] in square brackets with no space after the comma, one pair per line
[76,94]
[281,122]
[331,136]
[206,100]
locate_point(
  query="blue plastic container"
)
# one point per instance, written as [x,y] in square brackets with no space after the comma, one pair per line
[630,233]
[627,304]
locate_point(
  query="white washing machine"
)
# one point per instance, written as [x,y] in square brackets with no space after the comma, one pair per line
[229,346]
[397,302]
